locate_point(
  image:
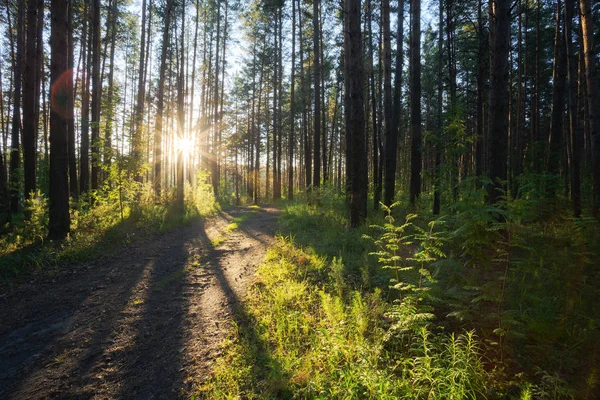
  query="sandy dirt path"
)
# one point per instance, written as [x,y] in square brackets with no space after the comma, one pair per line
[144,323]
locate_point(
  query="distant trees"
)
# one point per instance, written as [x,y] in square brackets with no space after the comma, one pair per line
[476,105]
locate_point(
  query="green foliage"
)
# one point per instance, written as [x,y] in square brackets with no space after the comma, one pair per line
[307,332]
[124,211]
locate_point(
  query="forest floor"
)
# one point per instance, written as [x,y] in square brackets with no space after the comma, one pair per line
[145,322]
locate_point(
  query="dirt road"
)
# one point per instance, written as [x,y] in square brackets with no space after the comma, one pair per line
[144,323]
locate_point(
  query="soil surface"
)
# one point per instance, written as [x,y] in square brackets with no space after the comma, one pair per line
[143,323]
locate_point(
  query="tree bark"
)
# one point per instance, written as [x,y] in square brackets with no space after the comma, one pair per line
[62,86]
[30,101]
[498,103]
[415,100]
[558,100]
[96,93]
[353,78]
[158,126]
[574,130]
[593,100]
[317,94]
[292,108]
[15,155]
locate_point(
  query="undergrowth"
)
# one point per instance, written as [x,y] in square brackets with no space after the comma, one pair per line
[482,302]
[123,213]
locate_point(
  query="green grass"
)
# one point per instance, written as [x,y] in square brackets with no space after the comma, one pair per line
[308,331]
[95,230]
[322,322]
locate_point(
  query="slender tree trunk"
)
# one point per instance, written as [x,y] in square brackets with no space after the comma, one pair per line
[139,108]
[30,101]
[558,99]
[73,187]
[387,83]
[479,144]
[96,93]
[415,102]
[15,155]
[317,94]
[440,117]
[593,100]
[292,107]
[181,125]
[62,86]
[84,167]
[353,78]
[110,108]
[158,126]
[276,188]
[498,103]
[216,127]
[573,105]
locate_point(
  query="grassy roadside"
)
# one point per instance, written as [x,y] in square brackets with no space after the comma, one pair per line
[479,309]
[317,326]
[96,230]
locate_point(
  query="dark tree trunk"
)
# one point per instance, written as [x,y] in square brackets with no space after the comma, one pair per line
[73,187]
[160,102]
[498,103]
[593,100]
[30,101]
[440,119]
[317,94]
[391,132]
[62,87]
[292,107]
[575,132]
[479,144]
[96,93]
[84,167]
[415,102]
[15,156]
[139,108]
[558,100]
[353,78]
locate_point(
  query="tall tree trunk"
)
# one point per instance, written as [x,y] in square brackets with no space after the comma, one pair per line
[73,187]
[181,125]
[573,106]
[216,127]
[15,156]
[96,93]
[391,148]
[593,99]
[62,86]
[139,108]
[558,100]
[292,108]
[440,117]
[30,101]
[415,102]
[353,79]
[498,103]
[84,167]
[372,101]
[158,125]
[391,133]
[479,144]
[276,187]
[317,94]
[110,93]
